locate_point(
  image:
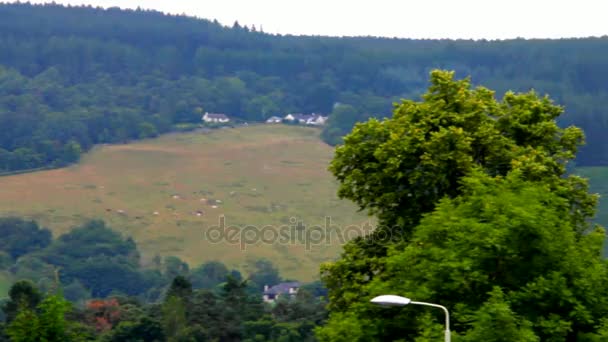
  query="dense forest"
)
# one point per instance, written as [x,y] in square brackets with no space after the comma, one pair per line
[94,275]
[72,77]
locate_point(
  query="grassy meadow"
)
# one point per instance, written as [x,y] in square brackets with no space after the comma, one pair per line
[167,192]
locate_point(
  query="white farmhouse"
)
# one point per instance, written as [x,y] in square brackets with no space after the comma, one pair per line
[274,119]
[271,294]
[293,117]
[316,120]
[307,119]
[215,118]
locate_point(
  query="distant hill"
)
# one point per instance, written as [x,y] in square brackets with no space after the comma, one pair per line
[72,77]
[168,192]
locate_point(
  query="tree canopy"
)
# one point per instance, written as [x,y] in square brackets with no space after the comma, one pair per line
[20,237]
[477,213]
[113,297]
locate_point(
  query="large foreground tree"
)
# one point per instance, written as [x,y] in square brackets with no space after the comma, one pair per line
[503,259]
[478,168]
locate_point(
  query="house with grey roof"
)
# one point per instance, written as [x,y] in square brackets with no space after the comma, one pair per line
[300,118]
[316,120]
[215,118]
[307,119]
[274,119]
[272,293]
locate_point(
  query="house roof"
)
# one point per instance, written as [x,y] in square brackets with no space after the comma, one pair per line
[317,116]
[306,116]
[282,288]
[216,116]
[299,116]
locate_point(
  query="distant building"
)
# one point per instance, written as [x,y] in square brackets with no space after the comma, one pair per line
[215,118]
[274,119]
[307,119]
[283,289]
[301,118]
[316,119]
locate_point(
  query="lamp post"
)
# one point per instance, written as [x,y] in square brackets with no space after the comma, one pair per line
[392,300]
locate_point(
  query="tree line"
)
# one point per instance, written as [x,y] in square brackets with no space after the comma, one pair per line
[71,77]
[183,314]
[89,285]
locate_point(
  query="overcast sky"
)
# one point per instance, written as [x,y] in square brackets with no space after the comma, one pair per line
[489,19]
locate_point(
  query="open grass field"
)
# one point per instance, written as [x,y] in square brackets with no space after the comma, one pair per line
[167,192]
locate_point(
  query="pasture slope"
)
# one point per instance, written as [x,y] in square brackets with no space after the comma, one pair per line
[167,192]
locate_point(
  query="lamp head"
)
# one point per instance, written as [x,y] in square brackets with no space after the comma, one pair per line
[391,300]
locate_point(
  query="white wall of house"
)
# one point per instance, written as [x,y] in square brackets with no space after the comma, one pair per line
[208,118]
[274,119]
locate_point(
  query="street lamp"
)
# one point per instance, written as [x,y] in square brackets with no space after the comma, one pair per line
[392,300]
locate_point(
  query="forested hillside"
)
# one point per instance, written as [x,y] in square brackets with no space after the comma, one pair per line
[74,77]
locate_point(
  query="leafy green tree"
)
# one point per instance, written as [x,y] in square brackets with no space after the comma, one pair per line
[238,307]
[505,261]
[295,319]
[174,318]
[143,329]
[262,272]
[261,107]
[340,122]
[23,295]
[20,237]
[3,333]
[92,239]
[206,311]
[46,322]
[32,268]
[449,152]
[52,323]
[24,327]
[209,275]
[71,152]
[99,258]
[399,168]
[174,267]
[147,130]
[75,292]
[495,321]
[5,260]
[180,287]
[175,310]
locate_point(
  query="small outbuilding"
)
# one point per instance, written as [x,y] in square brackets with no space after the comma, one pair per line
[215,118]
